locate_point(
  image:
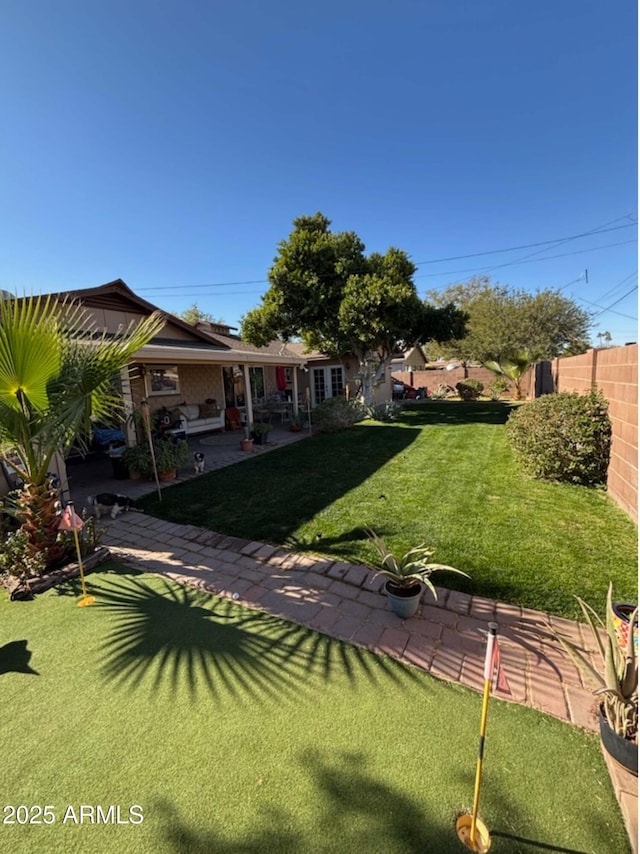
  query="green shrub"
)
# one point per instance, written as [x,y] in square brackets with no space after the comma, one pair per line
[18,558]
[498,387]
[389,411]
[470,389]
[336,413]
[564,437]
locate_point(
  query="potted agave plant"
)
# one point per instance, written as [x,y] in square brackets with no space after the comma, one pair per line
[406,575]
[617,683]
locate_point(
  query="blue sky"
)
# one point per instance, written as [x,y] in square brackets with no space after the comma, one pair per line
[171,144]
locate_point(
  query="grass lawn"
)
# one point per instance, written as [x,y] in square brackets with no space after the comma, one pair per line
[445,475]
[237,732]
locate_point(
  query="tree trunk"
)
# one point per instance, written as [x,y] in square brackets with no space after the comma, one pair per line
[371,374]
[39,513]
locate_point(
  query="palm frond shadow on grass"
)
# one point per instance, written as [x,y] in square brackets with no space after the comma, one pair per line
[344,789]
[167,634]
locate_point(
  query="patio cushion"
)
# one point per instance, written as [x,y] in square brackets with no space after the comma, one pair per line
[191,411]
[208,410]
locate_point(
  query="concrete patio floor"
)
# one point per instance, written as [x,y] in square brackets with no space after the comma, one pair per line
[446,638]
[96,473]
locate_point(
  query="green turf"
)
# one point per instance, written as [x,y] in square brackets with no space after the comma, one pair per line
[237,732]
[444,475]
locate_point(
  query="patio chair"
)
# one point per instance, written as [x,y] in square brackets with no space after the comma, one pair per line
[232,419]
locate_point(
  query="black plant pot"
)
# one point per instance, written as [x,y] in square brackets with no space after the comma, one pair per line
[623,751]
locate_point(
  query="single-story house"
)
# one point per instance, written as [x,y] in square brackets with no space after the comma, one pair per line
[197,373]
[327,376]
[190,365]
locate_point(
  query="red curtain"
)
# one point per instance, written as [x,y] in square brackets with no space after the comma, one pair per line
[281,380]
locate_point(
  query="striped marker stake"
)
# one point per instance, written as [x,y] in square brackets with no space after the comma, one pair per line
[472,832]
[70,521]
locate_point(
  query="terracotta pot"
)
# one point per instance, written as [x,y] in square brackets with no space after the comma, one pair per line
[168,475]
[246,444]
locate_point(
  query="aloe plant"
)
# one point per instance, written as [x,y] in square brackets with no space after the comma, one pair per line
[617,683]
[412,567]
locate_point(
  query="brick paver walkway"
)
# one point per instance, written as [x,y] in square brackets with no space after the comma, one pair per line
[446,638]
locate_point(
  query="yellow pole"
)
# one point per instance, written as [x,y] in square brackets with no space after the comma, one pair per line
[471,830]
[488,675]
[70,521]
[86,600]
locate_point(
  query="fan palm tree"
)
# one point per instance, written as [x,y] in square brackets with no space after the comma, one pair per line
[56,373]
[513,369]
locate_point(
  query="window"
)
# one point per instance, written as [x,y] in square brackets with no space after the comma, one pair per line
[162,379]
[256,378]
[234,390]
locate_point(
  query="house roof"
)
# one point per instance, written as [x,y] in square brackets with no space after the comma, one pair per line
[179,340]
[299,348]
[113,295]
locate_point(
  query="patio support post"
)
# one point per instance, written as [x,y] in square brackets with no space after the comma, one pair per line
[248,395]
[295,389]
[127,398]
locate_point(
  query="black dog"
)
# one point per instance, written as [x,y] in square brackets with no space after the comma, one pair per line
[111,502]
[198,462]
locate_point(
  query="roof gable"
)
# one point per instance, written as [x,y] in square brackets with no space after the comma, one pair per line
[115,300]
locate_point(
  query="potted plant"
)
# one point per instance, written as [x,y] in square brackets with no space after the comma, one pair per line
[170,456]
[246,444]
[297,422]
[622,613]
[138,461]
[406,575]
[617,682]
[259,432]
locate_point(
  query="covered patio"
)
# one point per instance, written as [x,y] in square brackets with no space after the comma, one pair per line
[96,473]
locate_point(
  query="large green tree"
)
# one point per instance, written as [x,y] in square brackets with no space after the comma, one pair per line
[195,314]
[503,322]
[325,290]
[56,373]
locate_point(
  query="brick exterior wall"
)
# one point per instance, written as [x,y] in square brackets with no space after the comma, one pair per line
[197,383]
[615,372]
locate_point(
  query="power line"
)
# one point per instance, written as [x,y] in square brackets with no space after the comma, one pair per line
[598,230]
[619,285]
[609,307]
[527,245]
[206,285]
[423,276]
[527,261]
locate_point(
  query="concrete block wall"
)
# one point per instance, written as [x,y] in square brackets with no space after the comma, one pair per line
[431,379]
[615,372]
